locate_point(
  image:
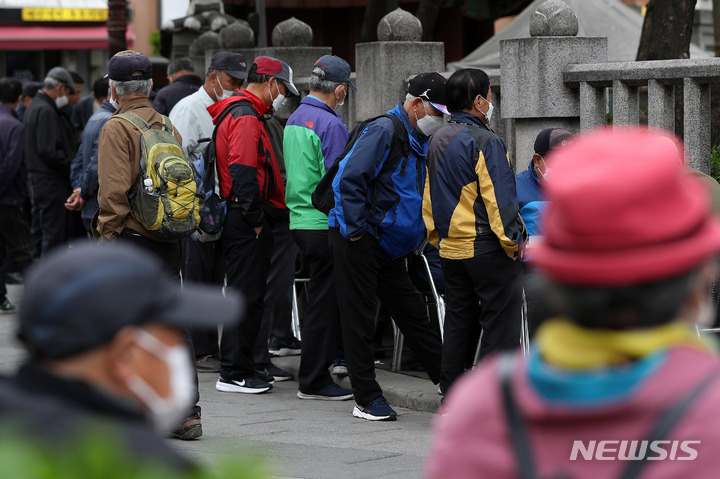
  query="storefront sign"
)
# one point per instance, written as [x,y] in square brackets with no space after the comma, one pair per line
[64,14]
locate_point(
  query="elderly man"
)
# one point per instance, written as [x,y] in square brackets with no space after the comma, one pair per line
[103,325]
[84,168]
[183,82]
[314,136]
[119,157]
[14,228]
[203,260]
[628,248]
[250,175]
[529,182]
[49,150]
[471,211]
[375,224]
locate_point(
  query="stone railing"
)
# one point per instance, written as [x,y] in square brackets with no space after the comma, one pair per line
[660,77]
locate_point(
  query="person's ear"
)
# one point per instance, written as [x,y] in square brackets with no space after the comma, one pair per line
[123,356]
[536,159]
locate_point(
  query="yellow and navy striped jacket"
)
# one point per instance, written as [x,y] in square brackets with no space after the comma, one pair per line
[470,204]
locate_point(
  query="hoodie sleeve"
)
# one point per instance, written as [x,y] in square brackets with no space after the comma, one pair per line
[361,165]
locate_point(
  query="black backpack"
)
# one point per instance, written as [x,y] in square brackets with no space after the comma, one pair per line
[323,198]
[214,208]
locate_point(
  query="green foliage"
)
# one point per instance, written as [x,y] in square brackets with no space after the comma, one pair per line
[155,42]
[609,118]
[97,456]
[715,163]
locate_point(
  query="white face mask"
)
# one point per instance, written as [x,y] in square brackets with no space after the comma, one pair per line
[278,101]
[428,124]
[61,101]
[113,101]
[341,103]
[545,175]
[225,93]
[165,413]
[489,113]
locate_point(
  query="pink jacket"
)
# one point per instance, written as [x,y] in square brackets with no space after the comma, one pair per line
[472,439]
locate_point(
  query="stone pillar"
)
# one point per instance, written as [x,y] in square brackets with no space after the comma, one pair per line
[384,67]
[697,124]
[531,81]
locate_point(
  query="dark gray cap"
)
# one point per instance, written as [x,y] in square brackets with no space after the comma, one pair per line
[63,76]
[233,64]
[76,300]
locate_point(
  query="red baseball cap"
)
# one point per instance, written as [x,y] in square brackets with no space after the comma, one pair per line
[623,210]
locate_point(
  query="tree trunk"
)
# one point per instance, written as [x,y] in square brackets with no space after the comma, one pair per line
[116,25]
[667,30]
[427,12]
[375,10]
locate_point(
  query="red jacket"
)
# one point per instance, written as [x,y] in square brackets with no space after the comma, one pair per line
[245,159]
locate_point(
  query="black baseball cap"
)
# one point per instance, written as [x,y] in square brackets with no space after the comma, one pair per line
[431,87]
[336,70]
[77,299]
[129,65]
[551,138]
[233,64]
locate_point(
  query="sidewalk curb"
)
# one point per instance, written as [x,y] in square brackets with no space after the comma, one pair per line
[400,390]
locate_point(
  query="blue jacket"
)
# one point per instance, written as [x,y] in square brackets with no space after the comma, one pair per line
[83,171]
[471,205]
[530,198]
[396,219]
[13,175]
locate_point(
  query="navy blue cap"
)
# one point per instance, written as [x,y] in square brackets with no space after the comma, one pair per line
[336,70]
[551,138]
[77,299]
[129,65]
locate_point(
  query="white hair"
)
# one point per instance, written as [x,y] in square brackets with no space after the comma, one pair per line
[411,97]
[127,89]
[50,83]
[317,82]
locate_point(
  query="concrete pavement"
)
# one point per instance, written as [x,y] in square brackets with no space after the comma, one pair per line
[298,439]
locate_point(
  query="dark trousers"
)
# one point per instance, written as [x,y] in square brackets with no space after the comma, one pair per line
[50,218]
[14,243]
[203,263]
[277,311]
[321,324]
[488,289]
[363,272]
[169,254]
[247,258]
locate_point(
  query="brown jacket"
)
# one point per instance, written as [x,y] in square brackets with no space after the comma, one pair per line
[119,169]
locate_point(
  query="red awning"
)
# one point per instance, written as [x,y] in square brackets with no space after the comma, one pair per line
[57,38]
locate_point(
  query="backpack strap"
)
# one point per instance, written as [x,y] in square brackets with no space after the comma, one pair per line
[515,420]
[142,125]
[134,120]
[667,420]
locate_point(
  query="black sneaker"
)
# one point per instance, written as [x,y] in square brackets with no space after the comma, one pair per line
[331,392]
[190,428]
[248,385]
[264,375]
[207,364]
[377,410]
[278,347]
[6,307]
[278,373]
